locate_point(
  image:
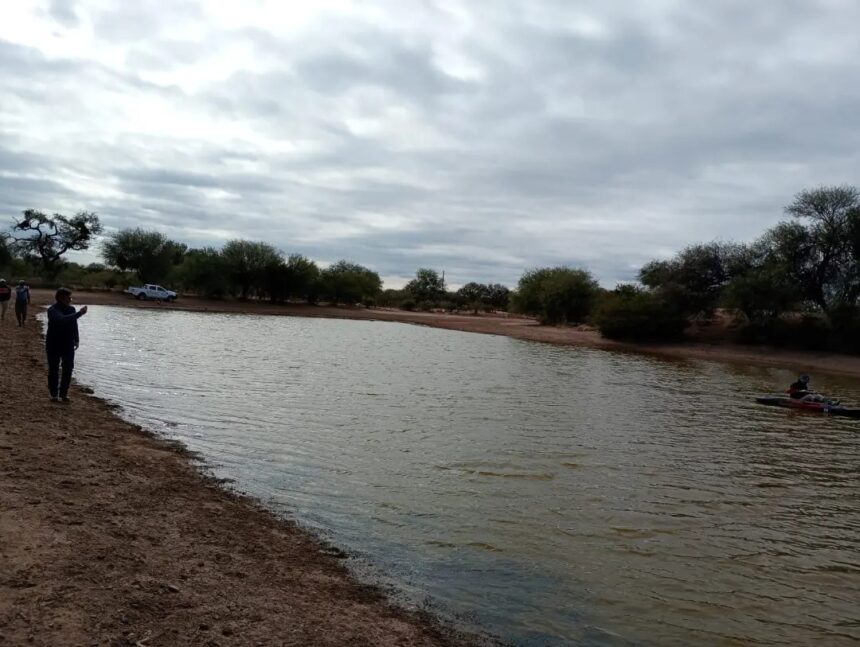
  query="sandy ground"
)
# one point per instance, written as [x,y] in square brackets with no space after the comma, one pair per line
[109,536]
[511,326]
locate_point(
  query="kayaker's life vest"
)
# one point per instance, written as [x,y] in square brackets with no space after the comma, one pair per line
[798,389]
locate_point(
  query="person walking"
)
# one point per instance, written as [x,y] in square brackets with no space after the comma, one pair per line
[5,295]
[22,300]
[61,342]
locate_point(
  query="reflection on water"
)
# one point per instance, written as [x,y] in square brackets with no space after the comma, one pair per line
[549,494]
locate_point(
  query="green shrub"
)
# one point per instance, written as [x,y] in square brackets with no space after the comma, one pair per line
[559,295]
[630,313]
[809,331]
[392,298]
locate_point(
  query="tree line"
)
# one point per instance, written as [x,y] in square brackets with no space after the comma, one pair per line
[241,269]
[798,284]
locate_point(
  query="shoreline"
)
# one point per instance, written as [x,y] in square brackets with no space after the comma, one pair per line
[109,534]
[516,327]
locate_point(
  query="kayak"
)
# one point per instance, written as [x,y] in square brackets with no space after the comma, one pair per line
[814,407]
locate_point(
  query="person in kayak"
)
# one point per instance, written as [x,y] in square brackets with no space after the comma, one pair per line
[800,389]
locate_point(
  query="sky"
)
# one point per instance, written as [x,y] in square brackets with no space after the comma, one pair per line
[478,138]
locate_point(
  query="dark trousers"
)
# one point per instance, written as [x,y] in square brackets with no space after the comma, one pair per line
[56,356]
[21,312]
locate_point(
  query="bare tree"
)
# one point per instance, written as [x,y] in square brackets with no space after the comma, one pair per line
[46,238]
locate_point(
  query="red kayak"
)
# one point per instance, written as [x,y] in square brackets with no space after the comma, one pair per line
[814,407]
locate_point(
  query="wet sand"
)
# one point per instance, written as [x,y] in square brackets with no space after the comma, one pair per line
[110,536]
[512,326]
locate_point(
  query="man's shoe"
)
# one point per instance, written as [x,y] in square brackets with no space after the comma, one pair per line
[66,399]
[54,398]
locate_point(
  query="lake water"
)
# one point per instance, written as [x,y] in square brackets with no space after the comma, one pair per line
[550,495]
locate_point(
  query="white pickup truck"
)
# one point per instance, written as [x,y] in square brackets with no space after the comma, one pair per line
[152,291]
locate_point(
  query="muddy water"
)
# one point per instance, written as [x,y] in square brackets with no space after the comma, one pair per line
[549,495]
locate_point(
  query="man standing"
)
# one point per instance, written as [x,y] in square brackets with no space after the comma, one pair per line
[22,300]
[61,342]
[5,295]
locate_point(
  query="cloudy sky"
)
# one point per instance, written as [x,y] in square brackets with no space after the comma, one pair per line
[478,137]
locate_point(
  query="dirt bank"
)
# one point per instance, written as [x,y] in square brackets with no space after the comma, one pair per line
[109,536]
[516,327]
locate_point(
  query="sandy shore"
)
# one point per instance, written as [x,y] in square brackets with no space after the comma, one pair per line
[516,327]
[109,536]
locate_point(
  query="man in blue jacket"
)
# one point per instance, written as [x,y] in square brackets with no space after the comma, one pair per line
[61,342]
[22,300]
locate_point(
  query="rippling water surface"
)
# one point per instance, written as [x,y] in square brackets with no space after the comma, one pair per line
[548,494]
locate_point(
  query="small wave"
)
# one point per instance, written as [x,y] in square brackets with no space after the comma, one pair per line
[529,477]
[484,546]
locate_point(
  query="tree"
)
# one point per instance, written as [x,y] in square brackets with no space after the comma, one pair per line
[480,295]
[148,253]
[633,313]
[568,297]
[296,277]
[473,293]
[823,254]
[498,296]
[762,294]
[427,286]
[349,283]
[761,286]
[527,298]
[273,281]
[202,271]
[695,278]
[45,239]
[246,263]
[556,295]
[301,276]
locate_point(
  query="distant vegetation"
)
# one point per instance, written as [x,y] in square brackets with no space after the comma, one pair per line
[558,295]
[797,285]
[241,269]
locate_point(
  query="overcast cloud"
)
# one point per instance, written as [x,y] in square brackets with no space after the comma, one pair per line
[478,138]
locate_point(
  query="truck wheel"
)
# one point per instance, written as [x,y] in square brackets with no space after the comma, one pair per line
[140,296]
[171,299]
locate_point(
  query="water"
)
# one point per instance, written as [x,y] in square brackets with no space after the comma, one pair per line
[551,495]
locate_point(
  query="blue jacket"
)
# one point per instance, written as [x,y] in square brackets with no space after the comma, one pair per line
[62,327]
